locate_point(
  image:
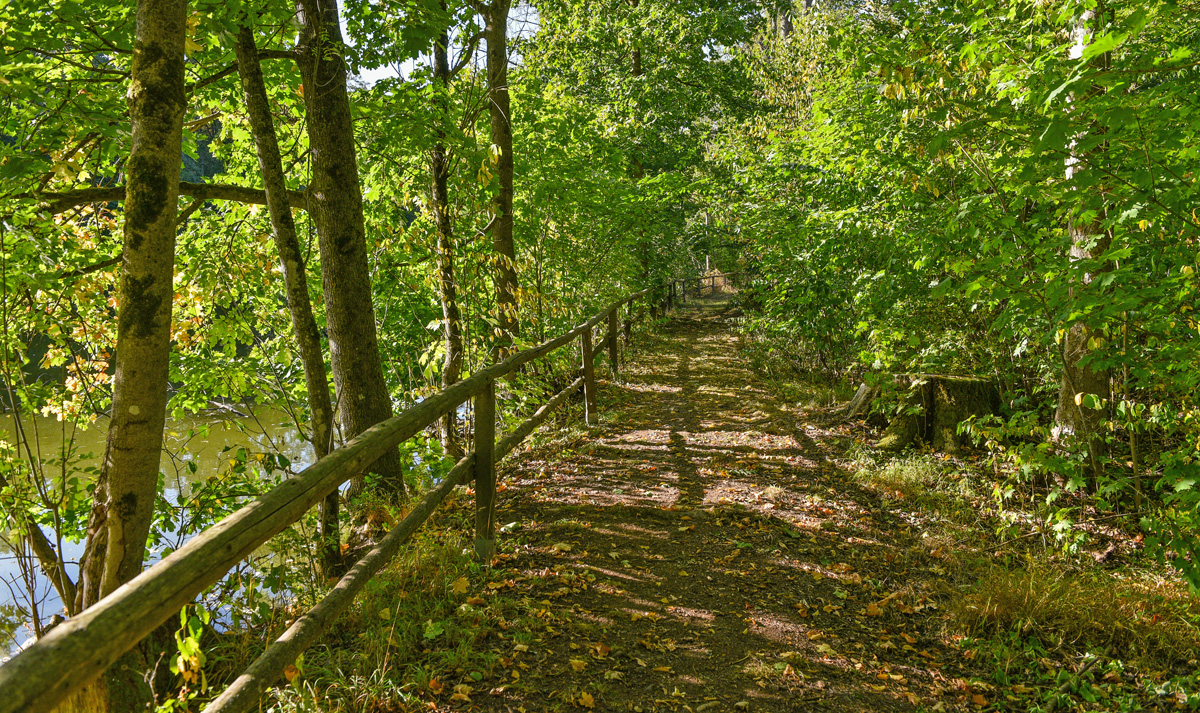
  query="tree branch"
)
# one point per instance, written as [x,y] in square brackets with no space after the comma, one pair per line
[263,54]
[58,202]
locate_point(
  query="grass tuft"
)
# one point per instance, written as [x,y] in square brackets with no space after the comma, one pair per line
[1147,620]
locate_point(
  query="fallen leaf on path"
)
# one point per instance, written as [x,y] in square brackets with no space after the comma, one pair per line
[460,586]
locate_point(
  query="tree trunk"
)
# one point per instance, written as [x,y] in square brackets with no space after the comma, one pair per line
[124,497]
[448,288]
[1088,242]
[295,280]
[500,108]
[335,204]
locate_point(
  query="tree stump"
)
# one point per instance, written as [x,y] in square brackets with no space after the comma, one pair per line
[934,407]
[861,403]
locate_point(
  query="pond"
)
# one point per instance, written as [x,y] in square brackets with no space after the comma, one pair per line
[208,442]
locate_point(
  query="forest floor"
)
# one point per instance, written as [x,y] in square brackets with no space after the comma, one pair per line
[721,543]
[701,551]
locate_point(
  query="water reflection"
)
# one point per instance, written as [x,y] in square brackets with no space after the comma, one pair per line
[194,450]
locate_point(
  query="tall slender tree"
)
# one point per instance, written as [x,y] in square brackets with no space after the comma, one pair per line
[1082,380]
[439,166]
[124,497]
[308,336]
[336,205]
[500,111]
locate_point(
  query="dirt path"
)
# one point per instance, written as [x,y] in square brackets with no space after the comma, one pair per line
[700,553]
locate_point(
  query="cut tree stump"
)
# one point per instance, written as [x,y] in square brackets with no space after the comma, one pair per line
[941,403]
[861,403]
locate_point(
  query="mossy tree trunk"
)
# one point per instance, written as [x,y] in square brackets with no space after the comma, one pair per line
[336,206]
[123,503]
[439,167]
[500,108]
[295,279]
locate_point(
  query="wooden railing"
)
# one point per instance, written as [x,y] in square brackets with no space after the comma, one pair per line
[678,290]
[75,652]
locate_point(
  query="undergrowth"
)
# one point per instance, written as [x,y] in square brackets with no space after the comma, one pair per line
[1058,629]
[413,634]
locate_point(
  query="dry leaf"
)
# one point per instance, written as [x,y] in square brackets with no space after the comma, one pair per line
[578,665]
[460,586]
[290,672]
[586,700]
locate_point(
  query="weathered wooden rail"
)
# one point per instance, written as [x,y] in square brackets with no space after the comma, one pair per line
[74,653]
[677,290]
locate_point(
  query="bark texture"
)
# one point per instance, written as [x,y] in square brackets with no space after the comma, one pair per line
[500,109]
[335,203]
[124,501]
[124,497]
[295,279]
[439,161]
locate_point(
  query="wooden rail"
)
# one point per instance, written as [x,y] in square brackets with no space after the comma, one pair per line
[74,653]
[677,290]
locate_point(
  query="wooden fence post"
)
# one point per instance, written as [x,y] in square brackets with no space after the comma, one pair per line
[590,416]
[485,473]
[614,354]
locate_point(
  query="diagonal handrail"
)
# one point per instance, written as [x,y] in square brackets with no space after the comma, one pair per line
[75,652]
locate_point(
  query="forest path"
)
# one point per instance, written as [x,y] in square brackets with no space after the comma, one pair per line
[698,551]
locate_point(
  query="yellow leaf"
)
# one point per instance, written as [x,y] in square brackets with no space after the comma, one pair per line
[662,669]
[578,665]
[586,700]
[290,672]
[459,586]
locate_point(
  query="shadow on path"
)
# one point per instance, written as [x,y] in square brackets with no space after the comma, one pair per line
[698,553]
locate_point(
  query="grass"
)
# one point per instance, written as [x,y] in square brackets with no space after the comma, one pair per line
[414,633]
[1149,621]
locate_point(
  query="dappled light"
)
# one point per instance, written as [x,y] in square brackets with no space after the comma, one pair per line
[719,557]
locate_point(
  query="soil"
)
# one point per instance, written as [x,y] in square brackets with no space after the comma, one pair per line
[700,550]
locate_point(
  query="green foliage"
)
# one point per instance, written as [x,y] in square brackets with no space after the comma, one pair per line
[916,186]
